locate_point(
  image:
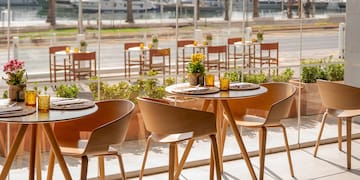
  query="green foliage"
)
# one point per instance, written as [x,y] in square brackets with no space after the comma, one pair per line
[148,87]
[255,78]
[335,72]
[284,76]
[169,81]
[319,69]
[5,94]
[67,91]
[234,76]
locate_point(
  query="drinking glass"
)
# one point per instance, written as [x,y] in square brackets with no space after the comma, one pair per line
[195,43]
[30,97]
[224,83]
[76,50]
[44,103]
[149,45]
[141,45]
[209,79]
[67,50]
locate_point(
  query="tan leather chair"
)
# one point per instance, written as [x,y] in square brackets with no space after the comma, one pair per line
[129,61]
[182,57]
[265,111]
[53,66]
[83,64]
[342,102]
[170,124]
[108,126]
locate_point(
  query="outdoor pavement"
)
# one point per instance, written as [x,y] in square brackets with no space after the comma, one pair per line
[331,163]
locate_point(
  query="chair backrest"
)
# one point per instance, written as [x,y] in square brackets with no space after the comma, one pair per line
[54,49]
[108,126]
[231,41]
[261,105]
[182,43]
[131,44]
[269,46]
[162,118]
[339,96]
[84,56]
[159,52]
[216,49]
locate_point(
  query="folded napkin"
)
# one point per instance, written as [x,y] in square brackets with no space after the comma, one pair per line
[195,89]
[64,102]
[5,110]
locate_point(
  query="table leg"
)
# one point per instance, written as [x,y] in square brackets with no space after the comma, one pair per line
[56,150]
[32,151]
[38,153]
[239,140]
[14,148]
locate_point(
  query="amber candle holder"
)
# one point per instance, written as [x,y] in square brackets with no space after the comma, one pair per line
[141,45]
[209,80]
[67,50]
[76,50]
[44,103]
[224,84]
[30,98]
[195,43]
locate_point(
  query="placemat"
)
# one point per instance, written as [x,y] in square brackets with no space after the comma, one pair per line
[196,90]
[243,86]
[16,111]
[70,104]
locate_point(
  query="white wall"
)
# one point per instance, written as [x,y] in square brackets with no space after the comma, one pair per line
[352,43]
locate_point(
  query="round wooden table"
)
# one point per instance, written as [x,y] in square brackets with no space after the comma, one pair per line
[43,120]
[222,97]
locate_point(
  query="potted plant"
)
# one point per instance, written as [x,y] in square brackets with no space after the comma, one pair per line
[260,36]
[155,41]
[16,79]
[83,46]
[313,69]
[209,39]
[196,69]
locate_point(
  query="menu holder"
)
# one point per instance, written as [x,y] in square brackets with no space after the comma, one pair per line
[16,111]
[70,104]
[243,86]
[196,90]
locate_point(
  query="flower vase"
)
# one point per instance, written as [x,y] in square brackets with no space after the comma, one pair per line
[155,45]
[196,79]
[16,93]
[83,48]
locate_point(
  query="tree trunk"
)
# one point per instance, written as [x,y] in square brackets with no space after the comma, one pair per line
[289,9]
[198,10]
[299,13]
[255,8]
[129,13]
[307,8]
[51,18]
[227,9]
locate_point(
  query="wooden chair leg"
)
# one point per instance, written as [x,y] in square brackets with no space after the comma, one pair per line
[288,151]
[211,174]
[38,154]
[183,158]
[262,151]
[339,133]
[122,168]
[145,157]
[51,165]
[320,133]
[172,161]
[348,142]
[215,154]
[101,167]
[84,164]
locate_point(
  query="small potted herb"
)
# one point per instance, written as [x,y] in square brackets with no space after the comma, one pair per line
[155,41]
[83,46]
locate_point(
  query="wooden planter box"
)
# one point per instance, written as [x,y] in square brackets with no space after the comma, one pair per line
[310,102]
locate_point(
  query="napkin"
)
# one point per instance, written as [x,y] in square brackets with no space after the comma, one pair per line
[5,110]
[68,102]
[195,89]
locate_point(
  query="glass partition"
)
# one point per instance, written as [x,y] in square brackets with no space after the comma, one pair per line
[302,45]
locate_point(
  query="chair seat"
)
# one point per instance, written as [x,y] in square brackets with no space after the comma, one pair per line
[170,138]
[344,113]
[255,121]
[85,69]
